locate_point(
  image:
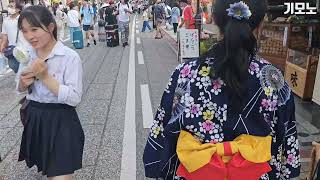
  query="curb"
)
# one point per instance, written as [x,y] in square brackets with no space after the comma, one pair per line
[171,41]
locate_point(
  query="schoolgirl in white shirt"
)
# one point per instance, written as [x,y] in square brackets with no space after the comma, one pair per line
[53,137]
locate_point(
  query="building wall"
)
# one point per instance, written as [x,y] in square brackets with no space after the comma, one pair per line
[4,4]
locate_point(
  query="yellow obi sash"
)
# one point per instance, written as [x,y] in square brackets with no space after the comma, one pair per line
[194,155]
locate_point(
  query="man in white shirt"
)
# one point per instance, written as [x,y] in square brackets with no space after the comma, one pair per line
[124,10]
[10,34]
[73,20]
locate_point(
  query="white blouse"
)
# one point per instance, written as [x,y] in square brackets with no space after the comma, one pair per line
[64,64]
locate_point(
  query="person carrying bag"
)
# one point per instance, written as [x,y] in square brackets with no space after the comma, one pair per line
[10,33]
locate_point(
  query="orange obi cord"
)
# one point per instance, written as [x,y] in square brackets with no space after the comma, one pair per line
[245,158]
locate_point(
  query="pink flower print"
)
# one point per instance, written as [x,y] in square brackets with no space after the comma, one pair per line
[254,67]
[269,105]
[207,125]
[213,141]
[195,109]
[185,71]
[265,103]
[290,158]
[217,84]
[273,105]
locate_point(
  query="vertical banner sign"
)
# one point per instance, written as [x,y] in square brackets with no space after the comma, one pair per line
[189,43]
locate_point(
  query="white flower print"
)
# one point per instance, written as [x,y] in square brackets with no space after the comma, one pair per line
[161,114]
[254,69]
[291,140]
[187,100]
[206,81]
[193,75]
[209,61]
[168,86]
[201,96]
[285,173]
[264,177]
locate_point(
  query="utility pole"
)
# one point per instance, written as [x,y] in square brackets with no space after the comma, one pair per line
[198,20]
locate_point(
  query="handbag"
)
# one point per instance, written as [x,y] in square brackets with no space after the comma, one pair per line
[101,23]
[23,110]
[24,102]
[8,51]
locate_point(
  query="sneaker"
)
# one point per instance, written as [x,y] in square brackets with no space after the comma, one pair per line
[88,44]
[94,42]
[123,44]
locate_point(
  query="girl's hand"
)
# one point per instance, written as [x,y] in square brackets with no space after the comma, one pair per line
[40,69]
[26,79]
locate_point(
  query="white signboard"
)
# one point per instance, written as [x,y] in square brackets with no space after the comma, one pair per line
[189,43]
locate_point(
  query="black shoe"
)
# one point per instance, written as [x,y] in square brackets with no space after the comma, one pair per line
[88,44]
[94,42]
[123,44]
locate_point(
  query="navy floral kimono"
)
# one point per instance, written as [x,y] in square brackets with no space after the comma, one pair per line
[195,103]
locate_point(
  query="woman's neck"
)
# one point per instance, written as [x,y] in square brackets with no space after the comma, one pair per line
[46,50]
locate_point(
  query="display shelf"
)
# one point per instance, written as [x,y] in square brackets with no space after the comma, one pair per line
[300,72]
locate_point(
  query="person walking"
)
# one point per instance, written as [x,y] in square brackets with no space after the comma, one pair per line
[124,10]
[188,21]
[60,17]
[175,17]
[52,138]
[145,16]
[73,19]
[228,114]
[95,12]
[11,36]
[87,21]
[159,15]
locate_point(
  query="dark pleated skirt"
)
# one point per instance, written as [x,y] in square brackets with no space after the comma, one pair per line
[52,139]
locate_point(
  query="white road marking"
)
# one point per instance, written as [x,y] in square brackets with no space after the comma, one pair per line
[146,106]
[140,58]
[138,40]
[129,156]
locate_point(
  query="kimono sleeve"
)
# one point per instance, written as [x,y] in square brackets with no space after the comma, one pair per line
[155,146]
[290,166]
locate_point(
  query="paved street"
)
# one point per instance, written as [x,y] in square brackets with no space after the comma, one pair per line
[122,89]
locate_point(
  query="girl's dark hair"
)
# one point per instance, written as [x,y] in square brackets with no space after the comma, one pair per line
[38,16]
[18,5]
[239,45]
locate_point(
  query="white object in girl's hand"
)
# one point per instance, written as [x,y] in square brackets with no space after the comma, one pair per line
[21,54]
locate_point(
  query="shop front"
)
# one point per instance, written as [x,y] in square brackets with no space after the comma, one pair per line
[292,43]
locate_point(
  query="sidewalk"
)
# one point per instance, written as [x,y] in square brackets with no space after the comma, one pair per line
[307,113]
[104,83]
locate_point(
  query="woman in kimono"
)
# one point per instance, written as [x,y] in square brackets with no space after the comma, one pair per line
[229,114]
